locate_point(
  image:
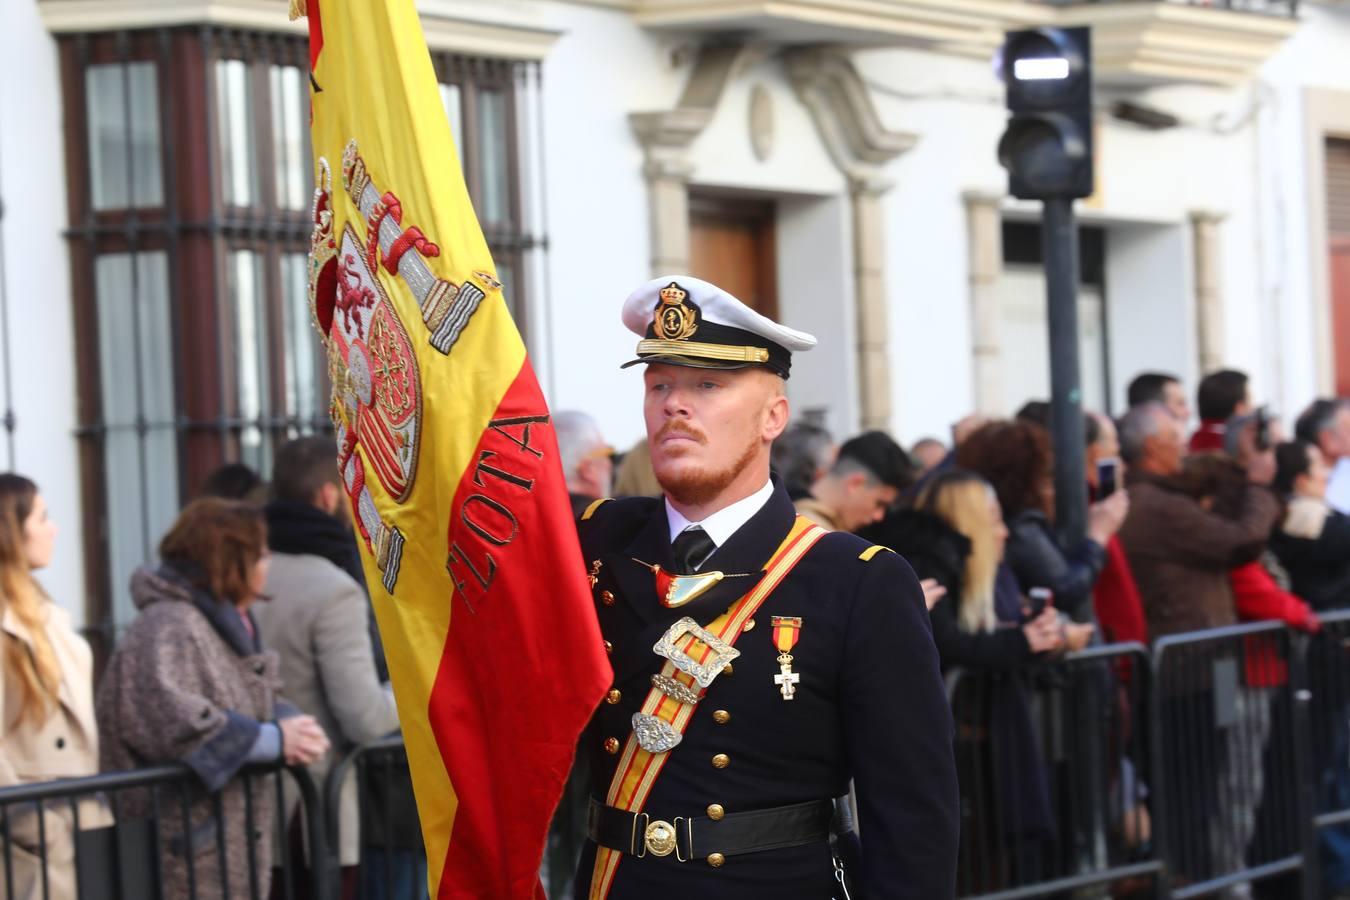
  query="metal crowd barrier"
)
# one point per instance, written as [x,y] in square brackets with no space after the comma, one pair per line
[1052,771]
[1326,790]
[373,780]
[1217,763]
[1230,745]
[140,835]
[1217,760]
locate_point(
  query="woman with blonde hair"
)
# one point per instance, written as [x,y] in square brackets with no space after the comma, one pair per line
[47,728]
[955,534]
[190,682]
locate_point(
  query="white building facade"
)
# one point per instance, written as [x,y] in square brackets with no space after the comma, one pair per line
[832,161]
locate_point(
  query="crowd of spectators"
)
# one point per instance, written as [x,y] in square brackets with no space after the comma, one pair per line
[1187,532]
[1227,524]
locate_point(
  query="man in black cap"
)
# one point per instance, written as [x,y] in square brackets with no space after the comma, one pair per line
[760,662]
[865,481]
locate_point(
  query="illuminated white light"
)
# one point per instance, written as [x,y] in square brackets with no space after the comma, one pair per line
[1041,69]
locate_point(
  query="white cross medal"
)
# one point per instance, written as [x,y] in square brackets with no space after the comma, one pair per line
[786,631]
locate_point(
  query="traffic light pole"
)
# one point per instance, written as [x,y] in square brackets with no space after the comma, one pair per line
[1059,242]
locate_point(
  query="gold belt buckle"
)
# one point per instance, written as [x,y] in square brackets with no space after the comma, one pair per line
[660,838]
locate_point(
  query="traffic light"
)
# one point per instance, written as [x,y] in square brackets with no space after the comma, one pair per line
[1047,148]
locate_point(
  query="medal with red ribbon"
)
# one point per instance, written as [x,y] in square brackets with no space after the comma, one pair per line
[786,631]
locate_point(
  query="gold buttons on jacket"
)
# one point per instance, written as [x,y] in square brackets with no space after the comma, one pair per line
[749,625]
[721,717]
[728,670]
[607,598]
[716,860]
[609,648]
[613,697]
[721,761]
[716,812]
[611,745]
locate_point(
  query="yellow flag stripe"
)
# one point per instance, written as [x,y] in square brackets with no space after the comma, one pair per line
[378,89]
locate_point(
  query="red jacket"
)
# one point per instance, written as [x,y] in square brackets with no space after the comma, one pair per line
[1115,597]
[1209,436]
[1258,599]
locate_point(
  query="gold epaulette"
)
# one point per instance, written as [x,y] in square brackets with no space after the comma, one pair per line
[866,555]
[590,510]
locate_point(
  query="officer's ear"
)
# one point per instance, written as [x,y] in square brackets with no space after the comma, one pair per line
[776,415]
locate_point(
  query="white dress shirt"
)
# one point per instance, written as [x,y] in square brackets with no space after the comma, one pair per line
[722,524]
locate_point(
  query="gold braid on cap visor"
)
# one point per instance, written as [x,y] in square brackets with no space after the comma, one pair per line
[706,351]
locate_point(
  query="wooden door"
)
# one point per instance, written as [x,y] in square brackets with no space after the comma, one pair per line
[1338,253]
[731,244]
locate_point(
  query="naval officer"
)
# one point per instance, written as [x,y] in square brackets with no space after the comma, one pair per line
[760,663]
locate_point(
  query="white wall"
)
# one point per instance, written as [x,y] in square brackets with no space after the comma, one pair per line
[1149,306]
[40,350]
[1144,177]
[1223,158]
[1314,57]
[602,68]
[797,162]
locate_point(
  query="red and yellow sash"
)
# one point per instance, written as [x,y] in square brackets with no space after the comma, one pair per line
[637,770]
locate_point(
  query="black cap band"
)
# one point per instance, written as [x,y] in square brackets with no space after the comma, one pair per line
[716,347]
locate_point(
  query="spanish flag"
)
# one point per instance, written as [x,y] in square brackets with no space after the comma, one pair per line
[449,459]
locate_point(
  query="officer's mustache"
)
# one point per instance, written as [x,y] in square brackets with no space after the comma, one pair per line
[680,428]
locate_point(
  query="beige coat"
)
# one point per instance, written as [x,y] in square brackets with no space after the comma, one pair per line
[64,746]
[316,621]
[819,513]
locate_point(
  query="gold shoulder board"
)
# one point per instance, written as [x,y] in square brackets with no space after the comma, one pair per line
[590,510]
[866,555]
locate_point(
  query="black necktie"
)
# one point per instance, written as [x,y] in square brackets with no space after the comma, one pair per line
[690,548]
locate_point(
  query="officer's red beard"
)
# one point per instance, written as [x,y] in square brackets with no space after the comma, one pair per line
[690,485]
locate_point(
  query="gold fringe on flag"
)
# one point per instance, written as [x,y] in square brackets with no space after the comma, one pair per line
[298,10]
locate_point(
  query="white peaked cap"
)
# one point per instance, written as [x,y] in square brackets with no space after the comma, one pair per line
[718,306]
[700,324]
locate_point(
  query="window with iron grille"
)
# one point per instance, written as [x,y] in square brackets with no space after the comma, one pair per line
[190,178]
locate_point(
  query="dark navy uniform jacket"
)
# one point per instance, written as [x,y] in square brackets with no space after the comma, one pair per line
[870,706]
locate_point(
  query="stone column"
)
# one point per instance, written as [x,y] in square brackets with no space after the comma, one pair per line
[869,273]
[984,249]
[668,201]
[1208,294]
[666,138]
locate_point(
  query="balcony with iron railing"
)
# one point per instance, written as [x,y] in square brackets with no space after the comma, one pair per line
[1157,41]
[1135,41]
[1279,8]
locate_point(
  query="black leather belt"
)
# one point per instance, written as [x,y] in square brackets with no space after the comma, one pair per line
[688,838]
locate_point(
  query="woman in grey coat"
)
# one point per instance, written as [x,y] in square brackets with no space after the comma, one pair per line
[189,682]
